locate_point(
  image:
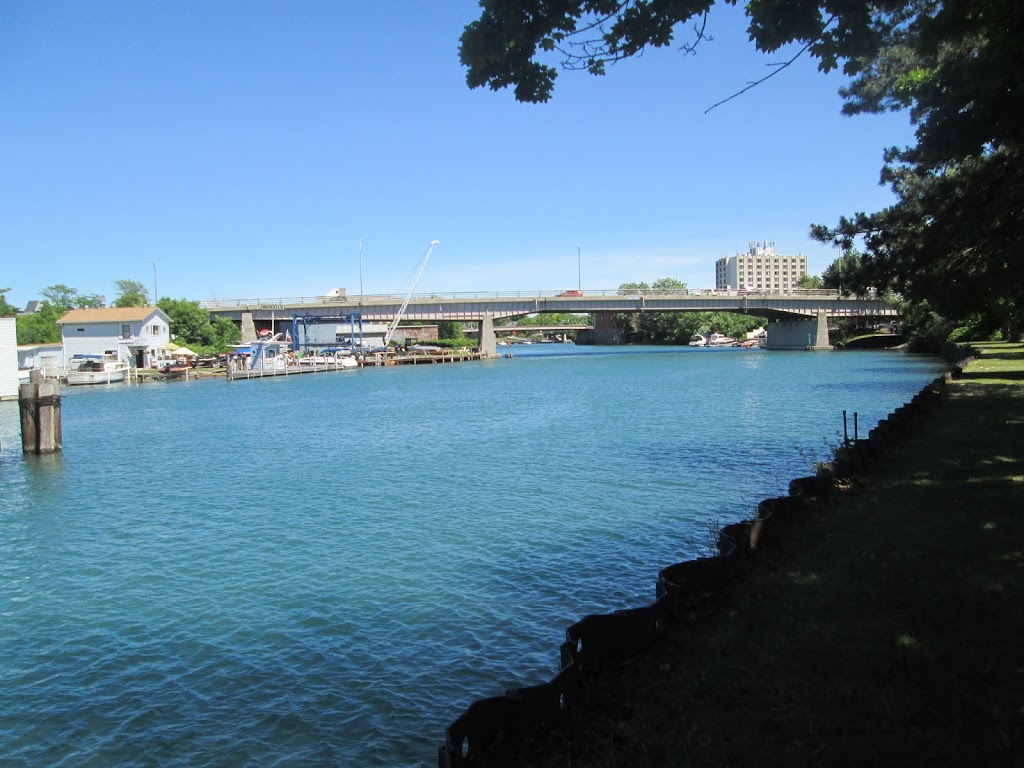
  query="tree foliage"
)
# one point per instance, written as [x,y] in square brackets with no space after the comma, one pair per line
[130,293]
[850,274]
[192,326]
[810,282]
[952,237]
[6,309]
[675,327]
[514,43]
[555,318]
[40,327]
[66,298]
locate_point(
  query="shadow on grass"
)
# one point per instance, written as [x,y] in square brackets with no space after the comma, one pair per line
[996,375]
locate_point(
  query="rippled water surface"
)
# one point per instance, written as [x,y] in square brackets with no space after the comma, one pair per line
[327,569]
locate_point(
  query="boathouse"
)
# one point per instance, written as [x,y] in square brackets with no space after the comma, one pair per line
[134,335]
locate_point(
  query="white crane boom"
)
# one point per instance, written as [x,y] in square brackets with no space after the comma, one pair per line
[408,296]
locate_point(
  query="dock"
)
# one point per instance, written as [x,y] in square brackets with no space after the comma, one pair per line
[372,360]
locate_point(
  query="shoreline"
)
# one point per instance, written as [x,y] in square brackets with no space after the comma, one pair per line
[697,691]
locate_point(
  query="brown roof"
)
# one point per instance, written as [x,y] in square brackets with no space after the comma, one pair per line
[111,315]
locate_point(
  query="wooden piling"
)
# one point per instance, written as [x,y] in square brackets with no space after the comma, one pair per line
[41,425]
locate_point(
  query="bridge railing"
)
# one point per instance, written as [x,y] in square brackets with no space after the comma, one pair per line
[388,298]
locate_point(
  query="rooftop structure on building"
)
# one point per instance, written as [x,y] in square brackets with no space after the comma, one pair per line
[761,268]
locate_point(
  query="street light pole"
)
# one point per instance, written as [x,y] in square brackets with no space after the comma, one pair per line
[579,272]
[360,274]
[156,295]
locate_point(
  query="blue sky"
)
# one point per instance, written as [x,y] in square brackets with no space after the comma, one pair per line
[247,148]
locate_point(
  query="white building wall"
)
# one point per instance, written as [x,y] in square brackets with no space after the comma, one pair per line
[153,334]
[48,358]
[761,268]
[90,339]
[8,359]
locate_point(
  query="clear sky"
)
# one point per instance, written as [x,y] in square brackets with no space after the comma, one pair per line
[246,148]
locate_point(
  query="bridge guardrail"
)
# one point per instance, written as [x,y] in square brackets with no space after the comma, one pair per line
[387,298]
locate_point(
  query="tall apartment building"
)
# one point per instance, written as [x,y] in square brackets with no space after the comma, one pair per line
[760,269]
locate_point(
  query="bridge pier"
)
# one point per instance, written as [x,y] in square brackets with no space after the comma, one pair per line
[248,328]
[604,331]
[810,333]
[488,341]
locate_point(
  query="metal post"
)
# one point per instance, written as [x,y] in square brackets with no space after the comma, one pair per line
[156,296]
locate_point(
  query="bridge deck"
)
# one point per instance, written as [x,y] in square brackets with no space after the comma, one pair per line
[476,306]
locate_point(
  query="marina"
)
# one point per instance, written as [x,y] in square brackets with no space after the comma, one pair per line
[271,357]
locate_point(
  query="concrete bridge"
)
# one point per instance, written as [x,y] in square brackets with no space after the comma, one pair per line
[797,319]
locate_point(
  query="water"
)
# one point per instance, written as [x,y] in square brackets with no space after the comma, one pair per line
[326,570]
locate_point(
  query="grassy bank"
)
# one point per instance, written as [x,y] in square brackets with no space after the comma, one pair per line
[887,630]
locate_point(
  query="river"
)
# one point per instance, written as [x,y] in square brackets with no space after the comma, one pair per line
[327,569]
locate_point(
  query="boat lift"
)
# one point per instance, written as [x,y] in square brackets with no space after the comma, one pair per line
[354,319]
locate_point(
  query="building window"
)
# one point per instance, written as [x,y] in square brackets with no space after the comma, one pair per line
[126,331]
[156,330]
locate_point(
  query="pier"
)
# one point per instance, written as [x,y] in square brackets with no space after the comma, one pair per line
[370,360]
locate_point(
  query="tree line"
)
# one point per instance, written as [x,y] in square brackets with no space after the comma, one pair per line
[676,327]
[190,325]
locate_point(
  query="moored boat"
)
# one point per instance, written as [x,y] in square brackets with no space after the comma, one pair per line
[98,371]
[721,340]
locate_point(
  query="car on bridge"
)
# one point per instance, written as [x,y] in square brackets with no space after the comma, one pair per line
[570,294]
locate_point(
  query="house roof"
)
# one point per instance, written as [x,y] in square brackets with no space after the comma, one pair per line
[112,315]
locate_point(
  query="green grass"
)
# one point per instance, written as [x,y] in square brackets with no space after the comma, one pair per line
[888,630]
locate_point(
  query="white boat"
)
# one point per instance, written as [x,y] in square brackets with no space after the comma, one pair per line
[698,341]
[721,340]
[329,361]
[98,371]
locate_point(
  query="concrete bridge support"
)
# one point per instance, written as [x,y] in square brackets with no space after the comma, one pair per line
[248,328]
[488,341]
[603,333]
[810,333]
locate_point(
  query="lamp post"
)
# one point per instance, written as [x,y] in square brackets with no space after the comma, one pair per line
[579,272]
[156,296]
[360,275]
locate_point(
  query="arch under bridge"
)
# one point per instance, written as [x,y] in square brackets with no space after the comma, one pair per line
[797,319]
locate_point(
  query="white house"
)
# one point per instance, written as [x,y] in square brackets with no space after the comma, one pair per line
[135,335]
